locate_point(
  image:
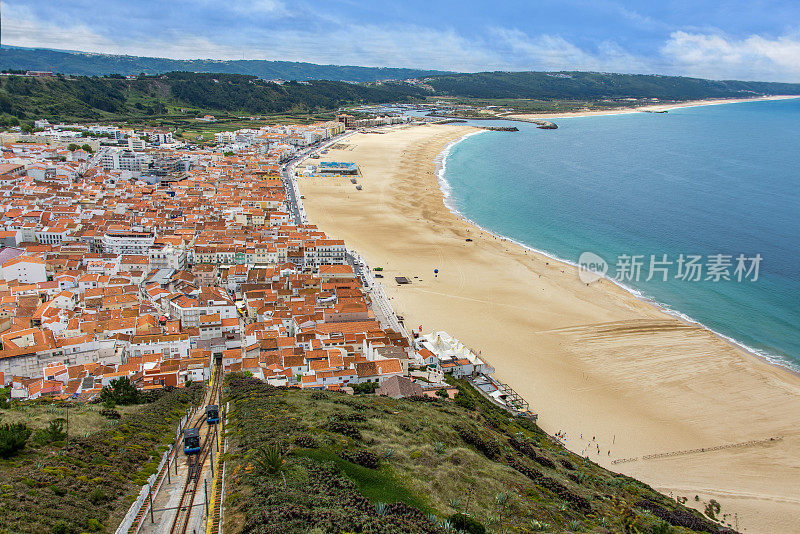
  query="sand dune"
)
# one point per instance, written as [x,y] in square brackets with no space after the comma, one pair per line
[592,360]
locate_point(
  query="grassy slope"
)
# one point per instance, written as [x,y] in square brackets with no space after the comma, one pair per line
[88,483]
[84,419]
[430,459]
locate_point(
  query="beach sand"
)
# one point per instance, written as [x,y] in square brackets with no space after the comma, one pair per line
[639,109]
[591,360]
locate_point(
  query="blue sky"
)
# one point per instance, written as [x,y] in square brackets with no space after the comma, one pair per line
[754,39]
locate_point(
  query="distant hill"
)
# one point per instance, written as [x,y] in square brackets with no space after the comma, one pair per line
[596,85]
[90,64]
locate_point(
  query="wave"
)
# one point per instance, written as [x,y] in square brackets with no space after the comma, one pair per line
[449,202]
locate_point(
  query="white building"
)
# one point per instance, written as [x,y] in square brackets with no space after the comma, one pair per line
[452,356]
[225,137]
[135,143]
[126,160]
[128,242]
[167,257]
[25,269]
[51,236]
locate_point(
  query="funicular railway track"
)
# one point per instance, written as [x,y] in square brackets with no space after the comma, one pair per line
[196,462]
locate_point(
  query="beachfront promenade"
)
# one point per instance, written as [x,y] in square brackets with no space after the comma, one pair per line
[377,293]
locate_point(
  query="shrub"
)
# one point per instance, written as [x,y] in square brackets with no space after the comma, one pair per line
[465,401]
[680,517]
[465,523]
[530,451]
[55,431]
[94,525]
[110,413]
[713,508]
[12,438]
[362,457]
[306,441]
[97,496]
[270,459]
[488,447]
[345,429]
[365,388]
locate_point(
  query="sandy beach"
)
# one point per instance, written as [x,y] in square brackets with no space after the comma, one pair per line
[593,361]
[642,109]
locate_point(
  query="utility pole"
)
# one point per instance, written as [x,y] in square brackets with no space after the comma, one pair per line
[205,487]
[150,495]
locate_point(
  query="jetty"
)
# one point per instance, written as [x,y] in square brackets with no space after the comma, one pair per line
[545,125]
[500,128]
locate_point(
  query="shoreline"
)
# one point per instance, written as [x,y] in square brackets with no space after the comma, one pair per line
[592,361]
[441,165]
[522,117]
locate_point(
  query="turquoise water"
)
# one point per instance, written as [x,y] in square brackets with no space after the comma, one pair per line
[701,181]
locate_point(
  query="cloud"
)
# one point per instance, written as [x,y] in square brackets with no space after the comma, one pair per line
[352,44]
[276,30]
[374,45]
[256,7]
[22,28]
[553,52]
[716,56]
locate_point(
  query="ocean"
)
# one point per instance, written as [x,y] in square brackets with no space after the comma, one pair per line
[697,209]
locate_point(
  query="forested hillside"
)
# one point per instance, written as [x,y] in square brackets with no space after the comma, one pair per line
[88,64]
[596,85]
[93,98]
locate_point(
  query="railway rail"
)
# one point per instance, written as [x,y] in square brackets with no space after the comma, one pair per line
[196,462]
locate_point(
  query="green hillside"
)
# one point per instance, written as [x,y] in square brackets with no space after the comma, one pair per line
[89,64]
[596,85]
[93,98]
[322,462]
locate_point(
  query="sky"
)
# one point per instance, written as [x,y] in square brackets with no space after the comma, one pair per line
[718,39]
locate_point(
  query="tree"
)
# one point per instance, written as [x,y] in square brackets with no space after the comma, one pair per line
[121,391]
[87,148]
[72,147]
[12,438]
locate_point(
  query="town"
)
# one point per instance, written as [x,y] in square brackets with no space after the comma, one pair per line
[127,253]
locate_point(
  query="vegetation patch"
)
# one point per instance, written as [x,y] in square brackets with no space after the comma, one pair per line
[85,483]
[375,464]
